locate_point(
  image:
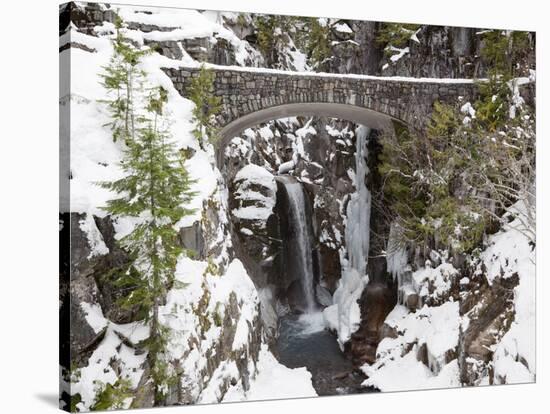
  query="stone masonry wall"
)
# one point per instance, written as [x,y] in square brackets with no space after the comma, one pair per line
[245,92]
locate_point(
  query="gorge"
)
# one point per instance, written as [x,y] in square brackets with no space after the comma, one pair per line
[332,243]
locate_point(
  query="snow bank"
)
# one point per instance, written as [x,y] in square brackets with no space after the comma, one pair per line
[273,381]
[112,348]
[509,253]
[94,155]
[406,373]
[399,53]
[255,174]
[342,28]
[95,239]
[434,283]
[399,367]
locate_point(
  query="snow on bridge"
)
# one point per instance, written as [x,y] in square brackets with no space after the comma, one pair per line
[252,95]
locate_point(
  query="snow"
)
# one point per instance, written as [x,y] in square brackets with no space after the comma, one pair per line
[180,315]
[414,36]
[95,239]
[399,53]
[468,109]
[226,371]
[434,282]
[201,169]
[246,231]
[286,167]
[273,381]
[246,178]
[94,316]
[94,155]
[112,348]
[342,28]
[406,373]
[398,368]
[510,253]
[255,174]
[269,71]
[187,24]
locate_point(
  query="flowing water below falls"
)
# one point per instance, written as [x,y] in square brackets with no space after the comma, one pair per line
[304,341]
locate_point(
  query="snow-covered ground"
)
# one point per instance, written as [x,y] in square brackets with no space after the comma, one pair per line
[509,252]
[273,381]
[401,363]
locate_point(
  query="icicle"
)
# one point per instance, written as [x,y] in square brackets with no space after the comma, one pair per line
[358,209]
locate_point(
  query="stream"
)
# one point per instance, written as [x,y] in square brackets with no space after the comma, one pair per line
[304,341]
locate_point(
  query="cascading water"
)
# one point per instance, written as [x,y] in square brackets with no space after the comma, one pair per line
[301,242]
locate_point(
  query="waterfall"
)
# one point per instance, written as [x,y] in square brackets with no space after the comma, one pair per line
[358,209]
[301,242]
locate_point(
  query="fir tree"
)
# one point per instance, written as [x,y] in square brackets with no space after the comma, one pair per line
[207,105]
[155,189]
[123,81]
[318,42]
[112,396]
[395,35]
[274,34]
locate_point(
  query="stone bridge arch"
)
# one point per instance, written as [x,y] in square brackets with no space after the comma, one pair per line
[250,96]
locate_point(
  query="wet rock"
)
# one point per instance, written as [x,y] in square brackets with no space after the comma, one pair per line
[341,375]
[376,302]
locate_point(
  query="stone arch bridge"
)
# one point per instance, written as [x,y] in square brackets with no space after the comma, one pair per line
[251,96]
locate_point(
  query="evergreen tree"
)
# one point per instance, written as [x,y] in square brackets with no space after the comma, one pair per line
[505,53]
[123,80]
[395,35]
[155,188]
[318,41]
[207,105]
[274,37]
[112,396]
[449,186]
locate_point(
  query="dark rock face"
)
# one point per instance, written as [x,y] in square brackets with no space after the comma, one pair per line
[447,52]
[88,283]
[85,16]
[192,239]
[490,309]
[376,302]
